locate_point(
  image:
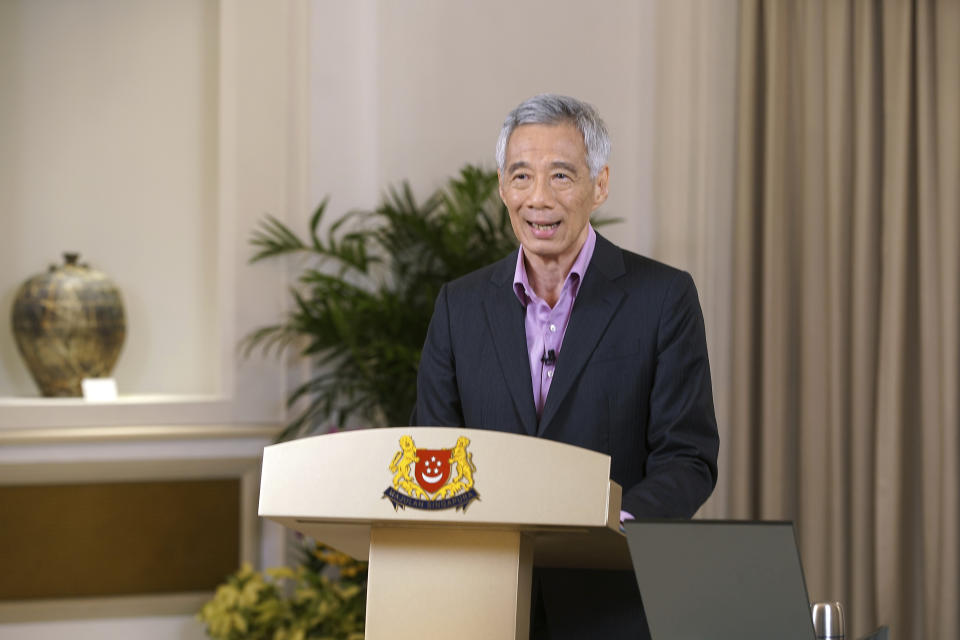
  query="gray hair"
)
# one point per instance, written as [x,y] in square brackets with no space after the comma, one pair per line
[550,108]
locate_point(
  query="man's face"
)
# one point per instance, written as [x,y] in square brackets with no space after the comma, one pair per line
[548,190]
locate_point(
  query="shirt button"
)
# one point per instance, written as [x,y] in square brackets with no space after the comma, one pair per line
[550,373]
[553,327]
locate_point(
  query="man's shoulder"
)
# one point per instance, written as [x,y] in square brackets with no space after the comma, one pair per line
[618,263]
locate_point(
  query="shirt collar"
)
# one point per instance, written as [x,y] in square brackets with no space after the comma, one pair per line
[521,283]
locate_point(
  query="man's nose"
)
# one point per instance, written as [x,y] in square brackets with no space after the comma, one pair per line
[542,195]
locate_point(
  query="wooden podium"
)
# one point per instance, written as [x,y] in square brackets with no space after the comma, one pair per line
[463,571]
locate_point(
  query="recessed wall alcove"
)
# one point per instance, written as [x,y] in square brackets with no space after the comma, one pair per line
[110,148]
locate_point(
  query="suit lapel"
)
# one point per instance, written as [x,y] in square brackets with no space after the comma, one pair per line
[505,317]
[597,301]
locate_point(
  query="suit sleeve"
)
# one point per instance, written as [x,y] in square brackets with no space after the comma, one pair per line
[681,437]
[438,395]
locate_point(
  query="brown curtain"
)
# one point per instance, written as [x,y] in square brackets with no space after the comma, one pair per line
[846,300]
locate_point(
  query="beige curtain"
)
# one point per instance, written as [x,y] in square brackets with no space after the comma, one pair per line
[846,319]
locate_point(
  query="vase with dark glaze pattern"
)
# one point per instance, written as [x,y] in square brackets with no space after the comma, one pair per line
[69,325]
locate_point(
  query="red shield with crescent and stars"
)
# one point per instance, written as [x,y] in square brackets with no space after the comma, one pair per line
[433,468]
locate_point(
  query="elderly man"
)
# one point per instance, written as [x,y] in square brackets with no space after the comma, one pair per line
[576,340]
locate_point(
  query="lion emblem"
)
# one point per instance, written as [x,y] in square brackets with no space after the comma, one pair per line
[465,468]
[400,465]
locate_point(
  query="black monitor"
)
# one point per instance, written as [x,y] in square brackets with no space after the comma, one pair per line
[719,580]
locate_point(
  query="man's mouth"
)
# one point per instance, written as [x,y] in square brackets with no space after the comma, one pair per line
[544,227]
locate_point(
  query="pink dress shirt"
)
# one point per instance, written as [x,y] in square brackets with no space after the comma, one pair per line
[546,326]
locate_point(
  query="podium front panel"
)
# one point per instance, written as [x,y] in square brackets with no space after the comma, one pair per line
[515,480]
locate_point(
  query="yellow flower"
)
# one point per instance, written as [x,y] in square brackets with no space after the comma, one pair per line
[245,571]
[281,572]
[251,591]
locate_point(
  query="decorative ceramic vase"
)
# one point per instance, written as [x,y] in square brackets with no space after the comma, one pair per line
[69,325]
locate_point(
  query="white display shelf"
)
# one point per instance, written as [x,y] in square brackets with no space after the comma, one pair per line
[148,452]
[123,399]
[132,410]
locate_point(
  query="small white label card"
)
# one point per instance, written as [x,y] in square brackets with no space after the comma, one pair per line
[99,389]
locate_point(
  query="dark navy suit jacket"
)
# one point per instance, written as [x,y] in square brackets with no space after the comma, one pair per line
[632,378]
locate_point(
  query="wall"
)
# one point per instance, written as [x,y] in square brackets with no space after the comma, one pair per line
[414,90]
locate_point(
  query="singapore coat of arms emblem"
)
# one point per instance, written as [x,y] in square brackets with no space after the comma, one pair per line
[432,479]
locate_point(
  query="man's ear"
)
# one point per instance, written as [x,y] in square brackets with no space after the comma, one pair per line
[600,186]
[500,186]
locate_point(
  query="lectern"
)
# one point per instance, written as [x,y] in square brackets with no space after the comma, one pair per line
[452,521]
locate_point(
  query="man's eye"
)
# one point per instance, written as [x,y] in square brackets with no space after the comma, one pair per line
[520,176]
[561,176]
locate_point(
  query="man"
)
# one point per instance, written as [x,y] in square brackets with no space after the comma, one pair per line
[576,340]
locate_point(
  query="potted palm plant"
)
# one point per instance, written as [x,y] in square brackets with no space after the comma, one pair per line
[363,301]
